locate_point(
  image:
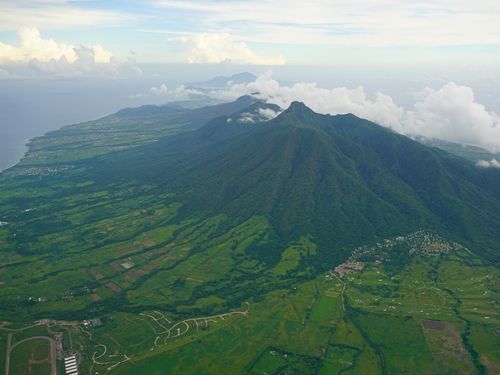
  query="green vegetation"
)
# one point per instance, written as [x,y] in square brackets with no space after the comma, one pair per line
[31,357]
[149,249]
[277,361]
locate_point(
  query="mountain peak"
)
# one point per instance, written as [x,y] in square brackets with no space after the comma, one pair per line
[298,113]
[298,108]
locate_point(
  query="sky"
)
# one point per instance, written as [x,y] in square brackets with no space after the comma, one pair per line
[418,67]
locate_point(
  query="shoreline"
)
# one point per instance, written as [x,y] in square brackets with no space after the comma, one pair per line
[21,158]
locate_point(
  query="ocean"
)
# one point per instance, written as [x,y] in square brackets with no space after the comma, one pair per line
[12,150]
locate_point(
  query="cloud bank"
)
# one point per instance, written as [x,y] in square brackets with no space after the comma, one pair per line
[84,66]
[179,92]
[49,58]
[215,48]
[493,163]
[162,90]
[384,23]
[450,113]
[263,114]
[32,46]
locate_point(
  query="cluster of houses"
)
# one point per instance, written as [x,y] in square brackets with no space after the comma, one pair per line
[420,243]
[44,171]
[348,267]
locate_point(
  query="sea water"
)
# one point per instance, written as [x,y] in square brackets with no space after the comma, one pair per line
[11,151]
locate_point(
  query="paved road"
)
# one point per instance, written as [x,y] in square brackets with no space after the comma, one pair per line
[52,351]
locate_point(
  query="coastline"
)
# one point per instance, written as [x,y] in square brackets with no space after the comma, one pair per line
[12,156]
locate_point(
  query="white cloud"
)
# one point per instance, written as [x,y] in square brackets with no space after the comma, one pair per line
[449,113]
[32,46]
[131,67]
[102,56]
[246,118]
[487,164]
[162,90]
[182,92]
[84,65]
[215,48]
[49,58]
[263,114]
[338,100]
[452,113]
[384,23]
[268,113]
[136,96]
[179,92]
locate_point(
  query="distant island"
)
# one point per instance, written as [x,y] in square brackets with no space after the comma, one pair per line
[221,81]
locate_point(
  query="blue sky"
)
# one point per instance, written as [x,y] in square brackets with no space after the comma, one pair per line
[390,32]
[420,67]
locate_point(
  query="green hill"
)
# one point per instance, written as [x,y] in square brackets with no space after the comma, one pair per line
[215,241]
[340,178]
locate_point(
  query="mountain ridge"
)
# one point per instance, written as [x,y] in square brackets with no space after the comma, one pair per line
[351,178]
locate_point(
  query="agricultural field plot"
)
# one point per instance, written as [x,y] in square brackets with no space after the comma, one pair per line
[446,346]
[142,337]
[109,266]
[292,255]
[409,351]
[443,293]
[486,344]
[277,361]
[340,358]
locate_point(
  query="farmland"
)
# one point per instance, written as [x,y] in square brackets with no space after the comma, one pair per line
[299,324]
[138,273]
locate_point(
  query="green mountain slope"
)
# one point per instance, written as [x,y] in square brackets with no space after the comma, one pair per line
[339,178]
[231,242]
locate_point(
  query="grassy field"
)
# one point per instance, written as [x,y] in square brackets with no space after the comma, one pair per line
[31,357]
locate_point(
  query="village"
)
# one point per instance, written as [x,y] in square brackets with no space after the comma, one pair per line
[348,267]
